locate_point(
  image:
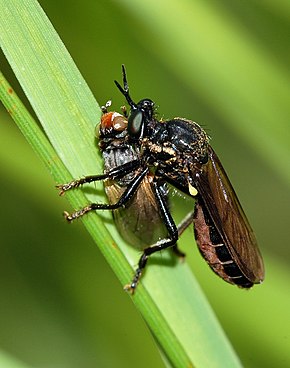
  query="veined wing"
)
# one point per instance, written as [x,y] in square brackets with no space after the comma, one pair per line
[229,218]
[139,223]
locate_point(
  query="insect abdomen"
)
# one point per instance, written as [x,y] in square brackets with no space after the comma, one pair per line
[214,251]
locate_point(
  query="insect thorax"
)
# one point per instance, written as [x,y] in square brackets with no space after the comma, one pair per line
[175,145]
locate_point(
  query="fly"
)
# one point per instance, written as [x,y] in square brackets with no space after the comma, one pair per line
[142,155]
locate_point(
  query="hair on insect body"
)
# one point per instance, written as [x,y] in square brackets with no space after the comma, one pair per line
[142,155]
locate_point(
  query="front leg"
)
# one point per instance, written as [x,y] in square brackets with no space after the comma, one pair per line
[77,182]
[115,173]
[125,197]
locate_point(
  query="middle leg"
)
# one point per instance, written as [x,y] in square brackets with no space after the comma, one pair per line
[170,241]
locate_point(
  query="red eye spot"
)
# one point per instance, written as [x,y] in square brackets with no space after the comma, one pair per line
[106,121]
[113,121]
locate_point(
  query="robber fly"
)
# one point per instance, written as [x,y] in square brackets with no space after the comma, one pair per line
[142,155]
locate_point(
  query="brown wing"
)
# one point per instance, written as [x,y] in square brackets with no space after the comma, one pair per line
[139,223]
[229,218]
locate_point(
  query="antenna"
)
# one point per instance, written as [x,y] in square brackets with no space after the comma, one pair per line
[125,90]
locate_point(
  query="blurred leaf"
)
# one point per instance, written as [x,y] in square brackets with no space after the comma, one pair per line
[211,51]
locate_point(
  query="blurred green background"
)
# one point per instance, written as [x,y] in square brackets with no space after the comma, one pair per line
[224,64]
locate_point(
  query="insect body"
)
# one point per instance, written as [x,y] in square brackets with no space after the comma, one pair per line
[135,220]
[142,155]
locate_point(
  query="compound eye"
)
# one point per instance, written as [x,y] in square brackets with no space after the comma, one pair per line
[135,123]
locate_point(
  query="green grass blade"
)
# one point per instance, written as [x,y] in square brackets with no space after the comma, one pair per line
[169,298]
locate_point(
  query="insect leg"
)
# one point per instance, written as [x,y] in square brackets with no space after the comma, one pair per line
[126,196]
[182,226]
[115,173]
[161,244]
[178,252]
